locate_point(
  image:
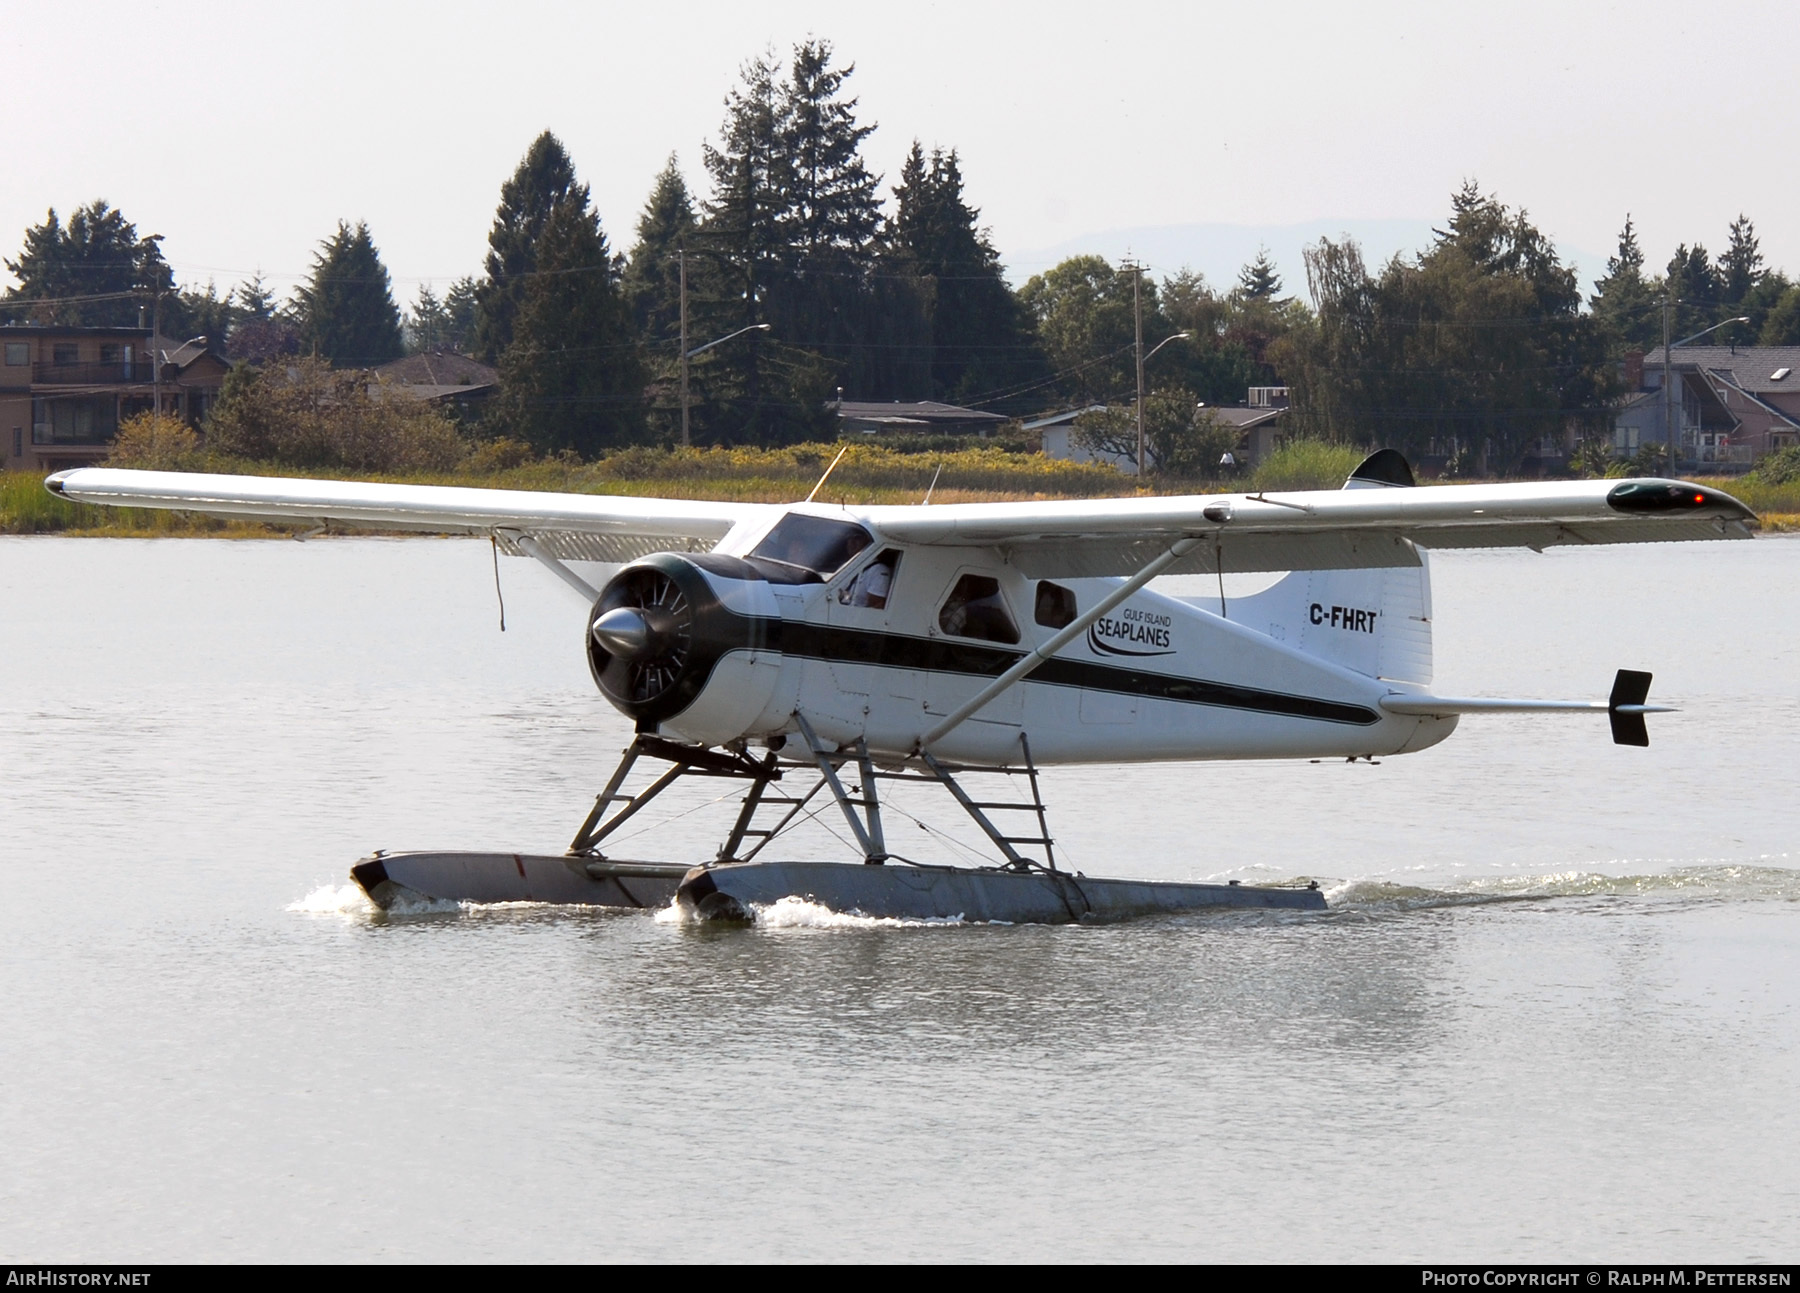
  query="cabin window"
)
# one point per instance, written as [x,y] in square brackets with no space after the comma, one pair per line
[975,609]
[18,354]
[1055,605]
[813,544]
[874,583]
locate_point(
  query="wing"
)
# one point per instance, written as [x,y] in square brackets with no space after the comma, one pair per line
[575,527]
[1318,530]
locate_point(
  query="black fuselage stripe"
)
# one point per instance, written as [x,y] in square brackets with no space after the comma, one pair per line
[836,645]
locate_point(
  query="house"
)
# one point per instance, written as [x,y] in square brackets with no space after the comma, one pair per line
[445,378]
[64,390]
[1257,421]
[1731,404]
[920,415]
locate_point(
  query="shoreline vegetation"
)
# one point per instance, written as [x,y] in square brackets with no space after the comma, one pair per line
[868,473]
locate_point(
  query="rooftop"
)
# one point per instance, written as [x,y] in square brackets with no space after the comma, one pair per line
[1760,369]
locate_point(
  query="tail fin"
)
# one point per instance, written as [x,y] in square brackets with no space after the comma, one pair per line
[1377,622]
[1631,687]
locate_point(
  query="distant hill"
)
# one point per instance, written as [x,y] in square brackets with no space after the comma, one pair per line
[1220,250]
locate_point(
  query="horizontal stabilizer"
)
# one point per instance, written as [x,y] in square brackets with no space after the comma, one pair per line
[1625,707]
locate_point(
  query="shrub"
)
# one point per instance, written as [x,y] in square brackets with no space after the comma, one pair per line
[1307,464]
[156,442]
[1779,468]
[307,414]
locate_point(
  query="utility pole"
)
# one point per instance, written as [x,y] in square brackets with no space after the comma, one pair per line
[681,259]
[155,329]
[1137,310]
[1668,386]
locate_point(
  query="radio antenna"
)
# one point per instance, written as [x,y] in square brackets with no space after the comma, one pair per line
[827,476]
[930,490]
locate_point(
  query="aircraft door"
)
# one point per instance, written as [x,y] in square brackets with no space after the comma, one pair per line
[975,639]
[866,609]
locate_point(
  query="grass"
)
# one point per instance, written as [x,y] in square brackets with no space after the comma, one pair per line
[868,473]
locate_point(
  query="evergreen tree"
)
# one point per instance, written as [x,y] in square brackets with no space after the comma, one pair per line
[653,274]
[1741,266]
[823,302]
[1625,305]
[975,338]
[572,377]
[345,309]
[198,313]
[460,310]
[97,253]
[830,203]
[1695,287]
[253,300]
[1258,280]
[545,177]
[427,323]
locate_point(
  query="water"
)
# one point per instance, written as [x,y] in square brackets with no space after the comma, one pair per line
[1552,1015]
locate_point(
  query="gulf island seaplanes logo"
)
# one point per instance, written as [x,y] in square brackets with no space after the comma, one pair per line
[1132,632]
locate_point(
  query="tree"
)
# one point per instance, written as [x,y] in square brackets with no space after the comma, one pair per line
[1741,266]
[652,273]
[823,302]
[345,309]
[253,299]
[427,325]
[198,313]
[545,177]
[306,414]
[1084,313]
[461,312]
[1475,350]
[973,336]
[1695,287]
[1626,307]
[572,377]
[1181,437]
[1217,362]
[97,254]
[1258,280]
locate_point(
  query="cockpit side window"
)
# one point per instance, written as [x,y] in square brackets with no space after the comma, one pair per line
[975,609]
[873,583]
[1055,605]
[814,545]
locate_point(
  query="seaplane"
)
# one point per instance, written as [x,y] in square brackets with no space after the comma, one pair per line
[814,653]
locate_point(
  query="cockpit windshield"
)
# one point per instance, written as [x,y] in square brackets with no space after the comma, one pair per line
[815,547]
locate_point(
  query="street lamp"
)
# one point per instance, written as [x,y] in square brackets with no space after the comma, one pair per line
[1142,360]
[689,354]
[1668,381]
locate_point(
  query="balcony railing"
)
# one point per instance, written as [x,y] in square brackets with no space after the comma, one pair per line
[113,372]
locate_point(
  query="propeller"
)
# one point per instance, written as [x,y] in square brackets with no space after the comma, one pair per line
[644,629]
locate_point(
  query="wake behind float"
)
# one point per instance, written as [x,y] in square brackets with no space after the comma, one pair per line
[1023,889]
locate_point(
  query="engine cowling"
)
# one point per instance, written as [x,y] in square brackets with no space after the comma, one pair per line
[688,644]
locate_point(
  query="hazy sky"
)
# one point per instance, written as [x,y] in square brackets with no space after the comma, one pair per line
[244,132]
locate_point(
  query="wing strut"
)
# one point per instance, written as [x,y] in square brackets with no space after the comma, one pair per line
[531,547]
[1074,629]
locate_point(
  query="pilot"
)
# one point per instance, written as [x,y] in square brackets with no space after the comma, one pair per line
[872,585]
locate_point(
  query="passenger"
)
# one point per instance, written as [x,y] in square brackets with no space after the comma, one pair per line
[873,584]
